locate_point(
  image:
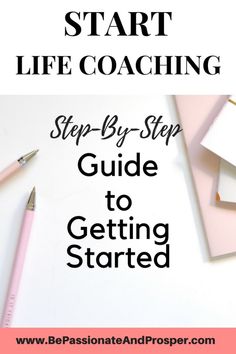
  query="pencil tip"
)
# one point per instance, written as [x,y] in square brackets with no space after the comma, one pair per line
[29,156]
[31,201]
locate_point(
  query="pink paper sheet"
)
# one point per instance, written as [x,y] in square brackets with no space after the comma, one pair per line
[196,115]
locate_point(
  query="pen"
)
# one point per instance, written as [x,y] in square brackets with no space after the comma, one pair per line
[7,172]
[19,261]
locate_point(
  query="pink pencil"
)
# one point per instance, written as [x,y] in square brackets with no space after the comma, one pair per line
[16,165]
[19,261]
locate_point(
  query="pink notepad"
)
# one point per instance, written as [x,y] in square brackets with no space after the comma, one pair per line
[196,115]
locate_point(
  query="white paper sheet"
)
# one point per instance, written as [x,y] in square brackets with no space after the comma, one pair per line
[221,137]
[226,191]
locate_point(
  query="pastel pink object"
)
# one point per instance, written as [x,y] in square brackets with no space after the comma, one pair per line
[17,268]
[9,171]
[197,114]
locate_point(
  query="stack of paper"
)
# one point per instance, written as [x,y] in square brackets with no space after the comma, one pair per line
[207,121]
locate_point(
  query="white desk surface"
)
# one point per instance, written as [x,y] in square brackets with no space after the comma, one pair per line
[194,291]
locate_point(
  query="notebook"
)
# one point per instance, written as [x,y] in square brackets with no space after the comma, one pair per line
[197,114]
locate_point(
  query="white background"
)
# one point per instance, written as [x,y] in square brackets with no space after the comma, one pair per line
[37,28]
[196,291]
